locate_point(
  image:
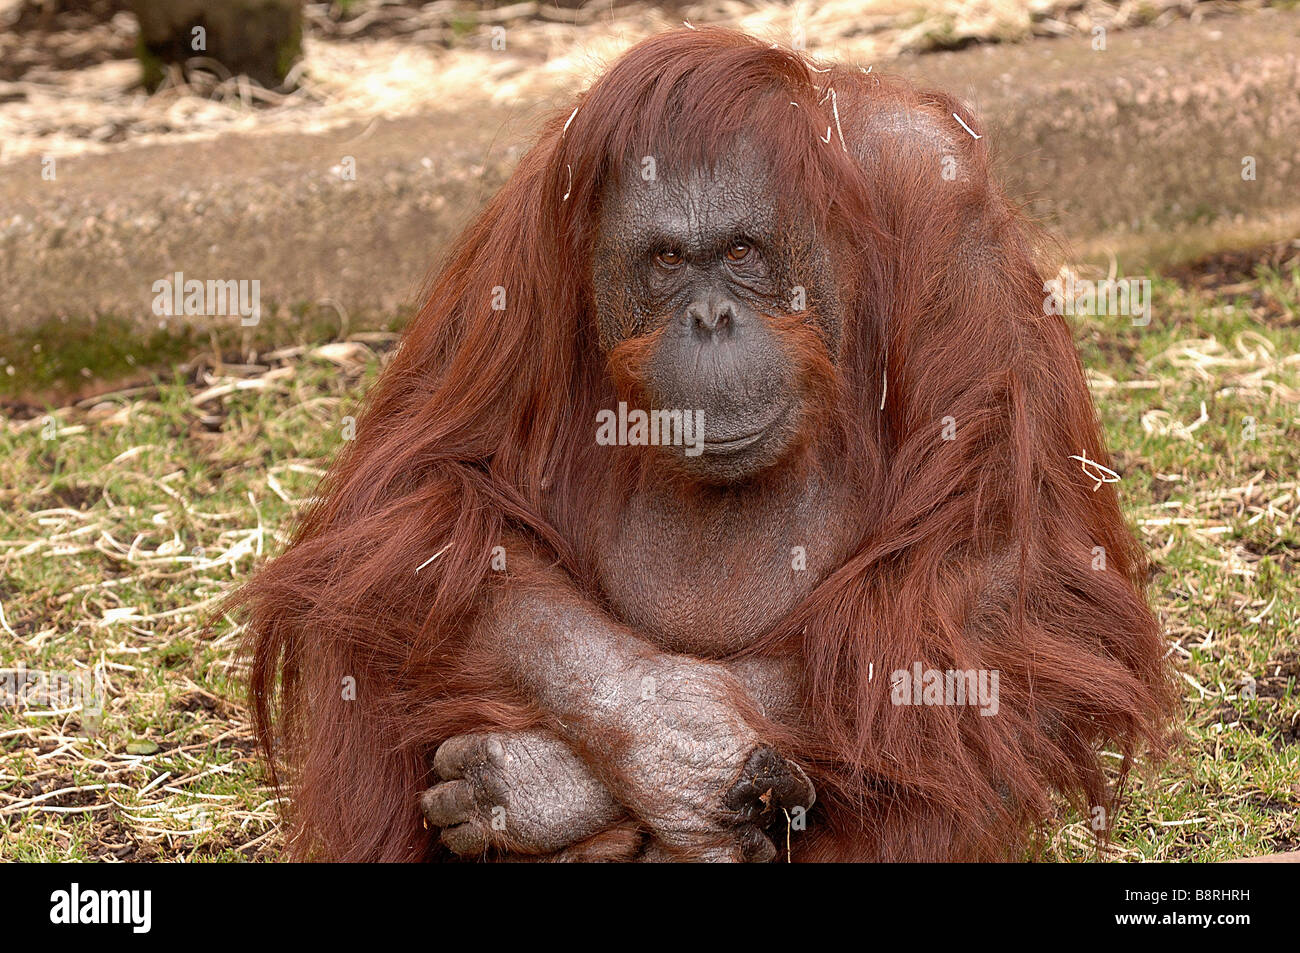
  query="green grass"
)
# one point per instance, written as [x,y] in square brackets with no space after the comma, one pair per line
[123,520]
[59,357]
[1217,505]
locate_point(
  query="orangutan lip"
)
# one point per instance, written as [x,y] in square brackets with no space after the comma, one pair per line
[736,444]
[731,446]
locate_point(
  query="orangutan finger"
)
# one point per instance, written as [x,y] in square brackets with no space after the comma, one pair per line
[449,803]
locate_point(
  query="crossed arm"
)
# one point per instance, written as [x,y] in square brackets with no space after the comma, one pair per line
[645,739]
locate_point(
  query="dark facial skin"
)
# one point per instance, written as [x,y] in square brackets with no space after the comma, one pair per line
[700,259]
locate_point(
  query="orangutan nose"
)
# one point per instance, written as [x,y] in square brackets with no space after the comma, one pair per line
[711,315]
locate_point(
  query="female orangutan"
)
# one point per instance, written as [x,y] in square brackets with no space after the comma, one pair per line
[731,465]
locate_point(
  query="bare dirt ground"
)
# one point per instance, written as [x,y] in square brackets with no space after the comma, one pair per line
[68,83]
[1133,151]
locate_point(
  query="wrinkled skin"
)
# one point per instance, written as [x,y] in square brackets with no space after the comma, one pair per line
[519,792]
[643,737]
[700,259]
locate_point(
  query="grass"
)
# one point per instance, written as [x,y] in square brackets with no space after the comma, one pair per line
[62,357]
[124,518]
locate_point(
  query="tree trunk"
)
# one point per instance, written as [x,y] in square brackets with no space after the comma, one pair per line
[260,39]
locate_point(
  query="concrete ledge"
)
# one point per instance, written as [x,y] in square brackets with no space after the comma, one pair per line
[273,208]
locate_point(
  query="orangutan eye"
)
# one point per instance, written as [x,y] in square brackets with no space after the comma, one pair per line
[738,251]
[669,258]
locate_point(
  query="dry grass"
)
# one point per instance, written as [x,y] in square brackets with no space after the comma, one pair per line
[127,518]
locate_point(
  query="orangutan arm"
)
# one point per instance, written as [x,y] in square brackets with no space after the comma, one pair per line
[526,795]
[673,738]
